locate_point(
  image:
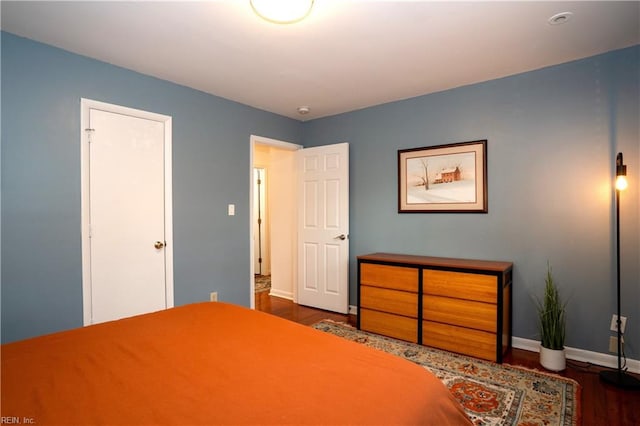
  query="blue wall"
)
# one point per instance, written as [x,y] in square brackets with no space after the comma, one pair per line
[552,139]
[41,241]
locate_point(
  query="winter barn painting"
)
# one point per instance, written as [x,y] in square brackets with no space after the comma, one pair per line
[444,178]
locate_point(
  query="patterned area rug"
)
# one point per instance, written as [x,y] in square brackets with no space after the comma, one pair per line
[491,394]
[263,283]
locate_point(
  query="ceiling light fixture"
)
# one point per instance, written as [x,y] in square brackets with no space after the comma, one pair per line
[282,11]
[560,18]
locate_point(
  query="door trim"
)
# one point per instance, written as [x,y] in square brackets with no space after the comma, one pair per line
[85,106]
[253,140]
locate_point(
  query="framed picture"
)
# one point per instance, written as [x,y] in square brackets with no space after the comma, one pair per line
[445,178]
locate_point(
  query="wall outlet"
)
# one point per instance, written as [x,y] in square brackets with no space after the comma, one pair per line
[613,344]
[213,296]
[614,323]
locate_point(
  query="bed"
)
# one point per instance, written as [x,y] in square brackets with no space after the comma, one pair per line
[214,363]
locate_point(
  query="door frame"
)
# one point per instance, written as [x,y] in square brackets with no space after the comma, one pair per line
[261,140]
[85,134]
[263,227]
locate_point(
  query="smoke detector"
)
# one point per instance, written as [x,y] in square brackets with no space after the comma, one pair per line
[303,110]
[560,18]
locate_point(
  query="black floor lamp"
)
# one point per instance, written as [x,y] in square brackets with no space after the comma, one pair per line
[619,377]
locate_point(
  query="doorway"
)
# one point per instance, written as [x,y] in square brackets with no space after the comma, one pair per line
[308,210]
[127,244]
[274,205]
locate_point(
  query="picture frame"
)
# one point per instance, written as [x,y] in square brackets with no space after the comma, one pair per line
[449,178]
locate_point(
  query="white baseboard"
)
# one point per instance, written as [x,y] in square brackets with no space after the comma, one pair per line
[279,293]
[575,354]
[597,358]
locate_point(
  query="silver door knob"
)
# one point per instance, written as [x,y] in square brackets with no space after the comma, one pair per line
[340,237]
[158,245]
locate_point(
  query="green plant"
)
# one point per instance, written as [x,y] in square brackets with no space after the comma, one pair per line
[551,315]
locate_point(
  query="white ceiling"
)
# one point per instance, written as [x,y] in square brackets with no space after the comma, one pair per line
[345,56]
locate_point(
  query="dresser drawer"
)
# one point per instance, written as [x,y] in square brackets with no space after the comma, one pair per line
[460,285]
[392,301]
[466,341]
[391,325]
[465,313]
[394,277]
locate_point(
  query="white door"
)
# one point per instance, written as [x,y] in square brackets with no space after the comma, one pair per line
[127,269]
[323,227]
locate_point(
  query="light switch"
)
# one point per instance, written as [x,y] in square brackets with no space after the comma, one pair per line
[232,209]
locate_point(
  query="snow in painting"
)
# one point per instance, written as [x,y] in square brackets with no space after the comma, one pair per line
[449,178]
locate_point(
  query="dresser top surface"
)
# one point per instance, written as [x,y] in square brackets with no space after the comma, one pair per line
[486,265]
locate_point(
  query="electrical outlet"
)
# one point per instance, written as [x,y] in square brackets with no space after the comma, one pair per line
[614,323]
[213,297]
[613,344]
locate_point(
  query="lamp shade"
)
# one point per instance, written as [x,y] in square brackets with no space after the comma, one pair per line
[282,11]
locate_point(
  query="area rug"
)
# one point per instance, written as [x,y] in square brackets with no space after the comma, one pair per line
[263,283]
[490,393]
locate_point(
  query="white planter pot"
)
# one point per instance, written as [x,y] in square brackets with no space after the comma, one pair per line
[551,359]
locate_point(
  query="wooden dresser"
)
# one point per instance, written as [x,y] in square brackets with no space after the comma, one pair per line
[457,305]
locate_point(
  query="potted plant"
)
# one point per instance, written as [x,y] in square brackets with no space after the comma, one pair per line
[551,322]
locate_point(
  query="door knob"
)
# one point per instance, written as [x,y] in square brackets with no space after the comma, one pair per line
[340,237]
[158,245]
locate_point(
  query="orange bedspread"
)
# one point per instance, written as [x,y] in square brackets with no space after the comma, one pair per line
[214,363]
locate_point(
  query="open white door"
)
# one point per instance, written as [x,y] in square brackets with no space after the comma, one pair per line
[323,227]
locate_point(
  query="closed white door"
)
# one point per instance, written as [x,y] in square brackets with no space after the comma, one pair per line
[129,264]
[323,227]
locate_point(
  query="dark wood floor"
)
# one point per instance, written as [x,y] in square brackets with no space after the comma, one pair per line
[602,404]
